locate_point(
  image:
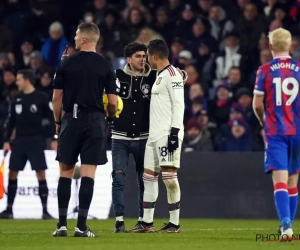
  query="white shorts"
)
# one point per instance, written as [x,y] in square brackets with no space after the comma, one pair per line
[156,155]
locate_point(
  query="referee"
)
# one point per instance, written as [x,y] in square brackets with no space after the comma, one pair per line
[79,83]
[27,111]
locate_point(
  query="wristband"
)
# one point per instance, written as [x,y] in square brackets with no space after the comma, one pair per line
[58,123]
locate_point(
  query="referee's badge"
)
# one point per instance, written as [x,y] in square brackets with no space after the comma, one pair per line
[158,81]
[18,108]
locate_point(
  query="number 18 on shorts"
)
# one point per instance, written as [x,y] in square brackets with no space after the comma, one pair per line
[157,155]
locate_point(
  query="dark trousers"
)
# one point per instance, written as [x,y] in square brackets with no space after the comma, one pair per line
[121,149]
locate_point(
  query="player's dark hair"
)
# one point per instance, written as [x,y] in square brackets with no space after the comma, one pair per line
[134,47]
[28,74]
[158,47]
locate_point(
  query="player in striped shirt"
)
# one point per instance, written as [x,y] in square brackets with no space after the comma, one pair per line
[277,106]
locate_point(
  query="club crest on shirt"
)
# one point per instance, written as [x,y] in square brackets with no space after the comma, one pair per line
[18,108]
[158,81]
[145,89]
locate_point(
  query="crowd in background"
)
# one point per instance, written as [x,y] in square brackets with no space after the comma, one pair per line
[220,43]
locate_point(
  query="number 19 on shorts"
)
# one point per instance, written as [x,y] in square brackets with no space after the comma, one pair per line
[281,87]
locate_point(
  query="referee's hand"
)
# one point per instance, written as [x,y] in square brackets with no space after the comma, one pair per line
[6,148]
[65,54]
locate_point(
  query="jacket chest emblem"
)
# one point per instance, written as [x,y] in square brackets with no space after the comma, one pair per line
[145,89]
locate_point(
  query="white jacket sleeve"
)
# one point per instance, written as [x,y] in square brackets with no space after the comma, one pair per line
[176,91]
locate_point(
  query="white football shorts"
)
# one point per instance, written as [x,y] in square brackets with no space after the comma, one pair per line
[157,156]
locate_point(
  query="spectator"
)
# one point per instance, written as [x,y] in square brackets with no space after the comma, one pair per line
[268,10]
[239,139]
[193,77]
[183,28]
[174,10]
[4,62]
[202,42]
[198,104]
[244,97]
[18,19]
[263,42]
[9,80]
[250,26]
[295,48]
[219,108]
[163,26]
[231,56]
[23,60]
[235,81]
[281,14]
[275,24]
[196,139]
[203,7]
[147,34]
[46,82]
[236,112]
[196,90]
[135,23]
[36,63]
[111,33]
[136,4]
[44,13]
[55,45]
[207,124]
[99,8]
[176,48]
[185,58]
[219,23]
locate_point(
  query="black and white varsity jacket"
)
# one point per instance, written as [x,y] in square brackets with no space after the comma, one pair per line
[135,91]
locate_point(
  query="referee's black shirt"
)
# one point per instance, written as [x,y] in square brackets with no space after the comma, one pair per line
[83,77]
[27,112]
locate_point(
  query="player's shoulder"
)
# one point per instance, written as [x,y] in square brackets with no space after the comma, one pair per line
[264,67]
[170,73]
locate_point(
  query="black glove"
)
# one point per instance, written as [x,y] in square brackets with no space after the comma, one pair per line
[173,142]
[110,122]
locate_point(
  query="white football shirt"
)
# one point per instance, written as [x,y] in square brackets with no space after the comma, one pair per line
[167,104]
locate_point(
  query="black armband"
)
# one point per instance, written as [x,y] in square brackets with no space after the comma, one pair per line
[58,123]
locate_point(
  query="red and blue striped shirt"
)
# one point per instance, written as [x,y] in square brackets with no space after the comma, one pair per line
[279,80]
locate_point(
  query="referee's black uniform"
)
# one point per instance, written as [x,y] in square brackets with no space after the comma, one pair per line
[27,112]
[26,115]
[83,78]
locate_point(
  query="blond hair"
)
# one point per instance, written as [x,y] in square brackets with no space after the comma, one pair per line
[90,30]
[280,39]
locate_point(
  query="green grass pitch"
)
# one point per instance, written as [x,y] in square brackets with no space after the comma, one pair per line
[208,234]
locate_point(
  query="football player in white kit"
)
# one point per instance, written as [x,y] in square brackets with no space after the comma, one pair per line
[163,147]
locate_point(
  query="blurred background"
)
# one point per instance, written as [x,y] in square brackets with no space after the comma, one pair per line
[220,43]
